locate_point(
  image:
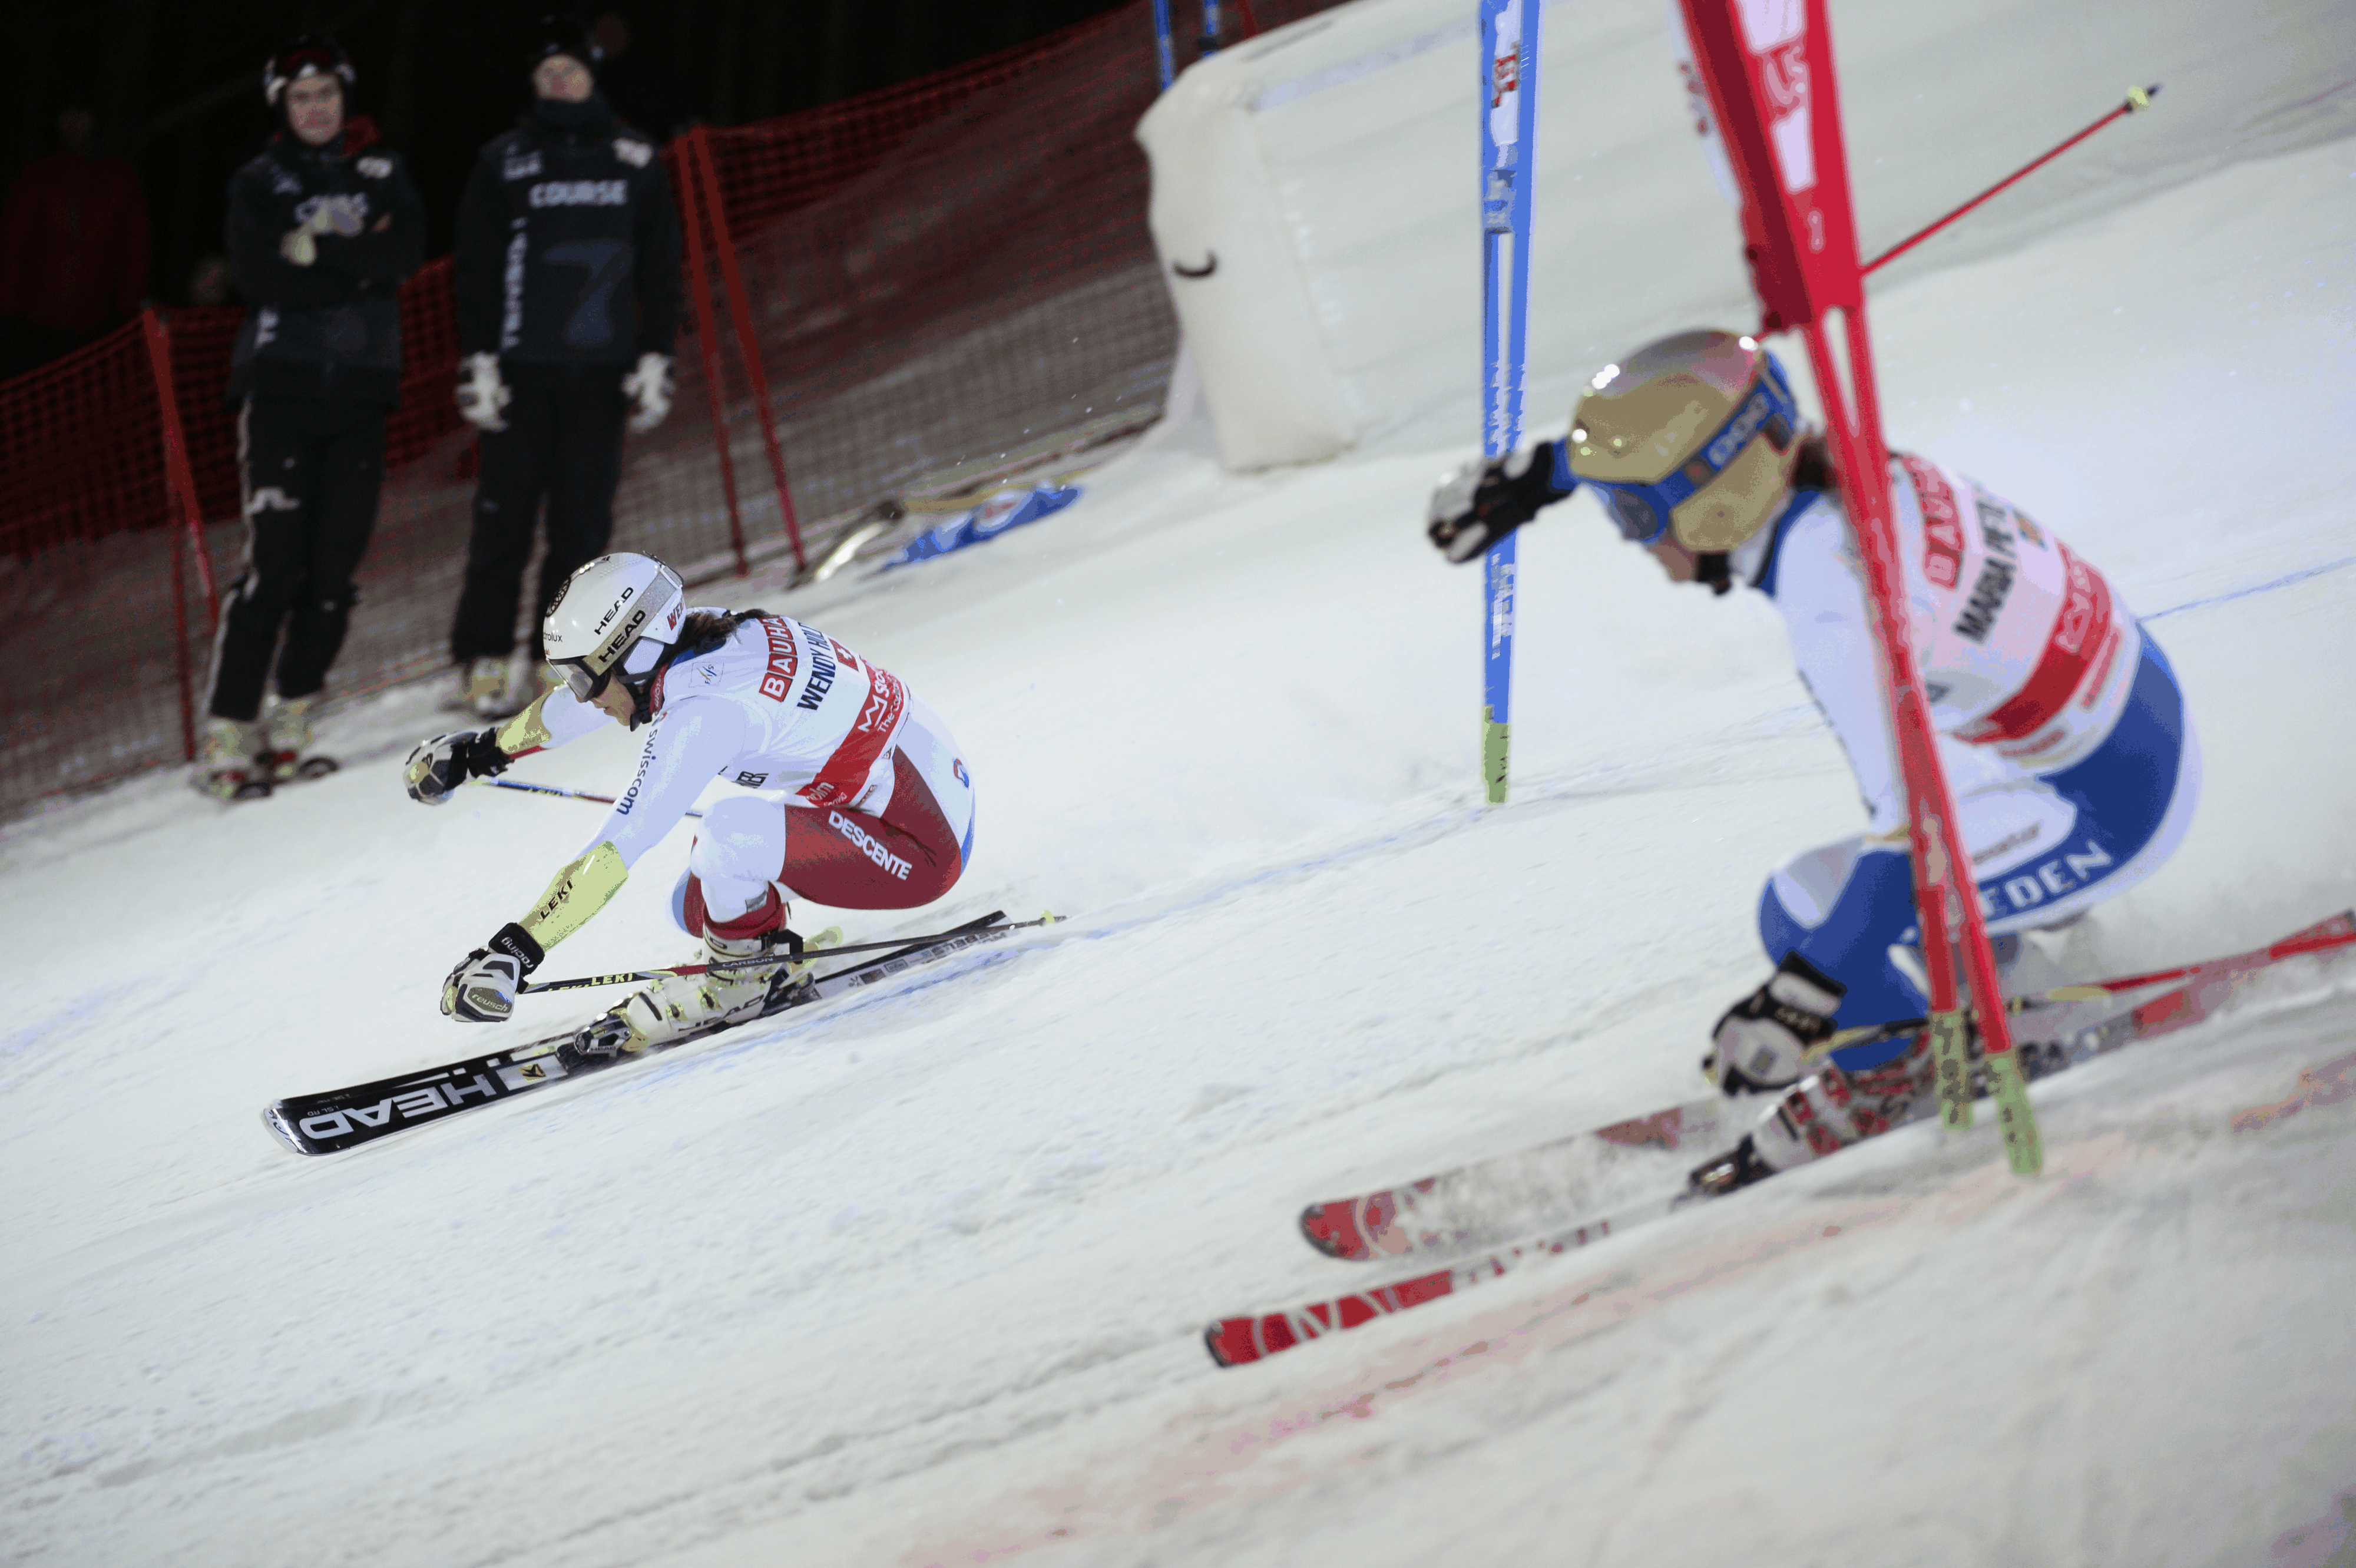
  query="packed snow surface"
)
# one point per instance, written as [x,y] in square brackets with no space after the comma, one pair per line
[919,1278]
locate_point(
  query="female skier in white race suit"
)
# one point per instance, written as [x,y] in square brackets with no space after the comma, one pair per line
[2061,729]
[870,805]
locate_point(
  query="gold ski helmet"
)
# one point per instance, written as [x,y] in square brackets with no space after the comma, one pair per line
[1696,433]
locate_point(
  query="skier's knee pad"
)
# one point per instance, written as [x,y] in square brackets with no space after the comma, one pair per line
[738,853]
[743,838]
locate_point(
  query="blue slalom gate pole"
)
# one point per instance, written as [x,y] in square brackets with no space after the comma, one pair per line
[1509,117]
[1169,53]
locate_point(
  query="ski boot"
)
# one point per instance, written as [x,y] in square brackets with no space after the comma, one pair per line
[483,690]
[1823,1113]
[227,767]
[286,739]
[761,972]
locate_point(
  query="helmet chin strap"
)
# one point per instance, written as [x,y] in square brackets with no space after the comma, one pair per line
[1711,569]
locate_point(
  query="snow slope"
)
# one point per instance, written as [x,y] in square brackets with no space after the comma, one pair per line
[918,1279]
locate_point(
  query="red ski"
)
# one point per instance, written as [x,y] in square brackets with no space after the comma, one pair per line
[1399,1220]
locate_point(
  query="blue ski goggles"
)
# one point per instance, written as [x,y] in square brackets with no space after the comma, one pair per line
[1644,513]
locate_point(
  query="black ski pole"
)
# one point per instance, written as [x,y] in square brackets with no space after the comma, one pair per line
[552,790]
[627,976]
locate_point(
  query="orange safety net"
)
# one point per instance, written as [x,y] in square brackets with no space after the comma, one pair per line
[939,283]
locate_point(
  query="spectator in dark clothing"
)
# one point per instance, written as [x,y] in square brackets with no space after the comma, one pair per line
[324,227]
[73,249]
[568,292]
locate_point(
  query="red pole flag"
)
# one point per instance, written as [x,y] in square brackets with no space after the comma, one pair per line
[1767,66]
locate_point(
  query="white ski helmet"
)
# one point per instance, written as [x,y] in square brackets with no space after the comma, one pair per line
[1696,433]
[614,618]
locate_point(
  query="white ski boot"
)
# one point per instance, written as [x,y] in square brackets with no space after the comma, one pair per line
[1823,1113]
[680,1006]
[227,767]
[483,690]
[286,740]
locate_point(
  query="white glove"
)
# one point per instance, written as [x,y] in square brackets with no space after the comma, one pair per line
[300,245]
[481,393]
[648,389]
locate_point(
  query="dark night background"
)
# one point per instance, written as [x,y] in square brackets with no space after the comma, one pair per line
[176,89]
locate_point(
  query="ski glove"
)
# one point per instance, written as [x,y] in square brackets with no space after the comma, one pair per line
[1764,1040]
[648,388]
[481,393]
[332,215]
[1489,498]
[482,989]
[439,766]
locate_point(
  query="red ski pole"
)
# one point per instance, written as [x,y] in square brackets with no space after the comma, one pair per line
[2138,98]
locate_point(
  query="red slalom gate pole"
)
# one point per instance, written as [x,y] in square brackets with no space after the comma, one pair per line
[708,339]
[2138,99]
[741,316]
[180,487]
[1769,72]
[182,483]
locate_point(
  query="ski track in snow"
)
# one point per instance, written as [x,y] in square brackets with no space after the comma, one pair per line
[918,1277]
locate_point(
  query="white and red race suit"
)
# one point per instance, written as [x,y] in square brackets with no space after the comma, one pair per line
[2061,729]
[867,803]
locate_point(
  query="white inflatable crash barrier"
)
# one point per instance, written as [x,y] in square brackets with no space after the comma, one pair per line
[1293,273]
[1245,309]
[1316,210]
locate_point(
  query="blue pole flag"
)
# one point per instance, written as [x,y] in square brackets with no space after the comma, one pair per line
[1509,118]
[1168,58]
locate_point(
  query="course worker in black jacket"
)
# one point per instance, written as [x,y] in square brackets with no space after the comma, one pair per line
[568,295]
[324,227]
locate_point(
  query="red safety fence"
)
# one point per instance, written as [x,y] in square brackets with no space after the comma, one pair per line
[908,293]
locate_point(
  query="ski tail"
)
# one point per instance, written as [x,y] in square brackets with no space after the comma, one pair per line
[1374,1224]
[1233,1341]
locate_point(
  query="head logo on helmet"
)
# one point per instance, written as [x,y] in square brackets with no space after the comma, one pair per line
[1695,434]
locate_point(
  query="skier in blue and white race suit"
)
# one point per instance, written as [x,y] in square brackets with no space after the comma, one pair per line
[2062,727]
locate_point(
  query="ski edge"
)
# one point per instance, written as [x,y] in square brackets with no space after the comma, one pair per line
[1337,1227]
[367,1111]
[1239,1340]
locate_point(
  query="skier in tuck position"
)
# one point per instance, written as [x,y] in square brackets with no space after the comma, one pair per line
[868,803]
[2062,731]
